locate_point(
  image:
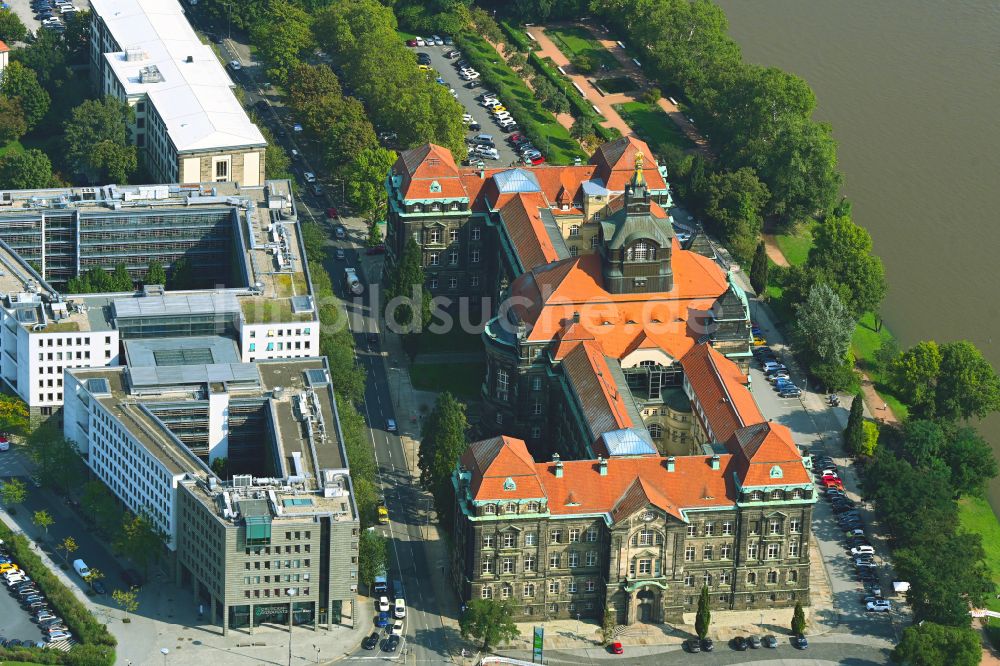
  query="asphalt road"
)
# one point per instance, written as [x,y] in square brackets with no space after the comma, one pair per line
[446,70]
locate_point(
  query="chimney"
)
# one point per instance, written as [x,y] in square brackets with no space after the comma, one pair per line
[576,317]
[670,464]
[559,465]
[602,465]
[715,462]
[482,170]
[189,59]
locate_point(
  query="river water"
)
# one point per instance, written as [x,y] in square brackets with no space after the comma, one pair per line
[912,89]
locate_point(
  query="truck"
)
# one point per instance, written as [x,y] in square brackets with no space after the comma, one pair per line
[81,568]
[381,586]
[352,282]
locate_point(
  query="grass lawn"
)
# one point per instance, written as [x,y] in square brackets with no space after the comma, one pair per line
[12,147]
[551,138]
[574,41]
[653,125]
[975,515]
[454,340]
[618,84]
[796,244]
[462,379]
[403,35]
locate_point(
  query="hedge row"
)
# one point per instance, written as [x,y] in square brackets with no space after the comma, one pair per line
[533,121]
[517,37]
[98,642]
[581,107]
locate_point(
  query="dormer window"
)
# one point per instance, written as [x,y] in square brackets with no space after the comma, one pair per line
[756,496]
[435,187]
[489,509]
[418,208]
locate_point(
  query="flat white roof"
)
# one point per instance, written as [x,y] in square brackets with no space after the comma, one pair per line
[194,99]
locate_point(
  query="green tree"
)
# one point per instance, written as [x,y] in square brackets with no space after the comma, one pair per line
[310,83]
[582,63]
[373,556]
[374,235]
[43,519]
[181,275]
[557,103]
[11,28]
[735,202]
[854,432]
[99,504]
[582,129]
[798,619]
[703,619]
[93,575]
[489,620]
[140,539]
[608,625]
[20,83]
[14,417]
[922,441]
[59,464]
[970,459]
[365,177]
[887,354]
[97,140]
[220,467]
[915,491]
[967,384]
[443,440]
[121,280]
[823,326]
[759,269]
[127,600]
[406,282]
[932,644]
[914,375]
[12,122]
[517,61]
[843,250]
[282,36]
[27,170]
[486,26]
[869,439]
[155,273]
[68,547]
[13,492]
[946,573]
[347,377]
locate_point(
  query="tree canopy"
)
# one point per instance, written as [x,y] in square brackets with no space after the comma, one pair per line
[26,170]
[21,83]
[932,644]
[949,381]
[735,202]
[842,252]
[443,439]
[489,620]
[97,141]
[282,35]
[823,326]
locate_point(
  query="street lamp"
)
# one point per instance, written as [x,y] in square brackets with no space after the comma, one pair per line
[164,652]
[291,592]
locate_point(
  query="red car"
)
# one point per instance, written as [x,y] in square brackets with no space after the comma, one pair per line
[332,213]
[536,160]
[411,42]
[831,482]
[516,138]
[616,648]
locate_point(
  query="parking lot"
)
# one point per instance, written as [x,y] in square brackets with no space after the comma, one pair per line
[15,622]
[467,97]
[27,15]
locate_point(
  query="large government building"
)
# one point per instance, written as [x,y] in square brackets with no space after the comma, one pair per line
[623,462]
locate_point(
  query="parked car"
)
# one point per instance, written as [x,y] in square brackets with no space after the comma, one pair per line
[383,604]
[800,642]
[411,42]
[397,628]
[790,392]
[382,620]
[390,425]
[692,645]
[616,648]
[861,550]
[882,606]
[57,636]
[754,642]
[391,643]
[371,641]
[769,641]
[707,644]
[740,643]
[454,53]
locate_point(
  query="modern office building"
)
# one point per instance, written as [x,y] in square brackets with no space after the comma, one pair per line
[189,126]
[246,276]
[276,531]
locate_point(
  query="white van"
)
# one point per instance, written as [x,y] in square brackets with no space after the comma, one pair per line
[81,568]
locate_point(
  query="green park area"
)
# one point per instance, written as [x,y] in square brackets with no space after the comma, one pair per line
[653,126]
[976,515]
[461,379]
[575,41]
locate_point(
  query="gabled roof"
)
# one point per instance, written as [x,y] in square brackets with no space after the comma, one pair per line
[766,455]
[601,398]
[429,172]
[495,463]
[615,162]
[720,389]
[525,226]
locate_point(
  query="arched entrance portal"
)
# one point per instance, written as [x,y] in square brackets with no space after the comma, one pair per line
[647,605]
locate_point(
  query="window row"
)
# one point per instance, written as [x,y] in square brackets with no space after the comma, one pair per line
[529,563]
[529,590]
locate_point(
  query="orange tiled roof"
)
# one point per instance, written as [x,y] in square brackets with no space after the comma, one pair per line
[720,388]
[761,447]
[615,162]
[601,400]
[582,489]
[526,229]
[493,461]
[424,166]
[619,322]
